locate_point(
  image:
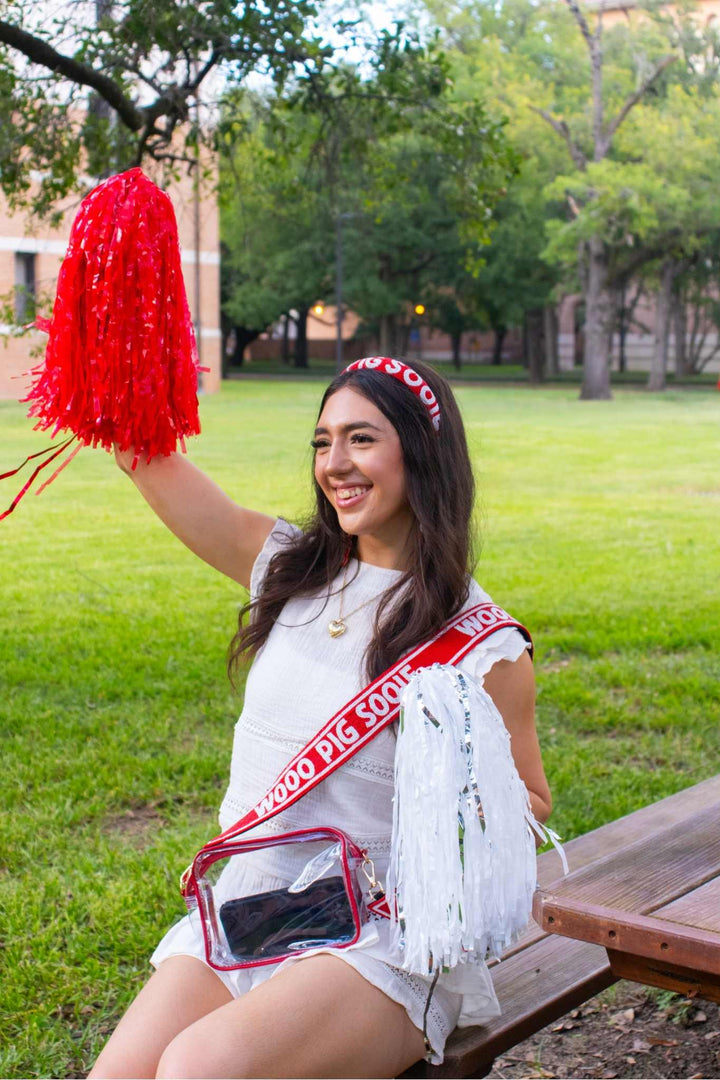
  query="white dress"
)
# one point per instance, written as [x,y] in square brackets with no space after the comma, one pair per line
[300,678]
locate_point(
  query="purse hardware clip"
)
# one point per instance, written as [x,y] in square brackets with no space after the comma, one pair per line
[375,889]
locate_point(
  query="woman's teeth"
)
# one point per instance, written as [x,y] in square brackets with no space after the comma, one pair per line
[350,493]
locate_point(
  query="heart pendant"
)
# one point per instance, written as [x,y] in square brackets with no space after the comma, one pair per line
[336,627]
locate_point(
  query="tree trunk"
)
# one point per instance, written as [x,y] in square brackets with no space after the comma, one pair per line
[680,323]
[402,339]
[550,339]
[243,338]
[622,328]
[658,368]
[598,320]
[500,332]
[535,351]
[301,343]
[285,354]
[388,335]
[456,343]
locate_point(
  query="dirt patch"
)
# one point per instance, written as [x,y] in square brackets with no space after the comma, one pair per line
[136,825]
[553,666]
[626,1032]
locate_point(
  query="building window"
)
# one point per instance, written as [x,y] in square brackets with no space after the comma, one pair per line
[24,287]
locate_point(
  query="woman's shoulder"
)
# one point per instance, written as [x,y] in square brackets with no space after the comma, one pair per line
[281,535]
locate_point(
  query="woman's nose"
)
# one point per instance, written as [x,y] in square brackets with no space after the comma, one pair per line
[338,458]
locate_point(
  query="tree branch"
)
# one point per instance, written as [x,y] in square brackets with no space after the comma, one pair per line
[633,99]
[564,131]
[582,23]
[40,52]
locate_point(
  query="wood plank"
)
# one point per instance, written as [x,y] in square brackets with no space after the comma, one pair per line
[634,826]
[534,988]
[652,871]
[608,839]
[665,976]
[639,935]
[700,907]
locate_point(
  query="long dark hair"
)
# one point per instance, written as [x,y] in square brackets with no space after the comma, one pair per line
[440,492]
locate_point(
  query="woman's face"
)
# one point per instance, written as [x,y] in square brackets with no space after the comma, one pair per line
[359,466]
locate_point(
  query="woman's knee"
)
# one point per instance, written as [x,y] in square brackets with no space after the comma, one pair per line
[192,1056]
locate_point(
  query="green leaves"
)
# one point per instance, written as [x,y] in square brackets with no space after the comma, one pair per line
[145,61]
[412,173]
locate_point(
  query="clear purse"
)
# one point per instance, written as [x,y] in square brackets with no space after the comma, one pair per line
[323,904]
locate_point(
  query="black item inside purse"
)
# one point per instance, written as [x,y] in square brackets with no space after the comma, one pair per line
[278,922]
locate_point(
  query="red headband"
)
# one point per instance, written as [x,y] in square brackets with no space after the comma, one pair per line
[406,375]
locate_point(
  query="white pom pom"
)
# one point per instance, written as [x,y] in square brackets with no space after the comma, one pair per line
[463,861]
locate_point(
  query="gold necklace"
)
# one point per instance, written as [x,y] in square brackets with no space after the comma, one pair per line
[337,627]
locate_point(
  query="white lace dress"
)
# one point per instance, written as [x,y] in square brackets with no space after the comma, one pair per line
[300,678]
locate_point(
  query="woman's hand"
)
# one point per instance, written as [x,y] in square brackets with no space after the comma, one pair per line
[227,536]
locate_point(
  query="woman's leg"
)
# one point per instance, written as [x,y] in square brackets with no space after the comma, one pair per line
[317,1018]
[179,993]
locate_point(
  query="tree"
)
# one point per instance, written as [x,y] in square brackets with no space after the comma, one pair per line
[428,195]
[585,152]
[607,217]
[408,176]
[655,216]
[494,50]
[148,61]
[276,223]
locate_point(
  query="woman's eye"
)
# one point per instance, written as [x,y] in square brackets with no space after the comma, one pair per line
[358,438]
[319,444]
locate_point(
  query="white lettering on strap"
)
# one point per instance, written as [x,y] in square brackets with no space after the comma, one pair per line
[347,732]
[292,780]
[379,705]
[305,768]
[265,805]
[325,750]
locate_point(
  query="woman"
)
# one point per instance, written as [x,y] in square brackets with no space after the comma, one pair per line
[383,564]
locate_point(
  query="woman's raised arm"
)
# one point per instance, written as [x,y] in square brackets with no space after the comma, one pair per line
[227,536]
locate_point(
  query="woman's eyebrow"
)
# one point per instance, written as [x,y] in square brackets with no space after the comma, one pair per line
[345,428]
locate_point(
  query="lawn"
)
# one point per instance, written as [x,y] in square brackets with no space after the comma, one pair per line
[599,526]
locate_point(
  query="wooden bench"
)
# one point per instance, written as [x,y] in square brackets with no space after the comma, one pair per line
[545,976]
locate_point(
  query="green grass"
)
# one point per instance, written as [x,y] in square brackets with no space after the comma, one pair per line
[600,531]
[470,371]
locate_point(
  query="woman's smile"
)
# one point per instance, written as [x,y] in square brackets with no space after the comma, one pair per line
[351,496]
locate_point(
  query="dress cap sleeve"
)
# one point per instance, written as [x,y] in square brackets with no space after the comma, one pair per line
[506,644]
[282,534]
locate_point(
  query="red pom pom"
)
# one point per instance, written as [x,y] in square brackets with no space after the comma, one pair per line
[121,362]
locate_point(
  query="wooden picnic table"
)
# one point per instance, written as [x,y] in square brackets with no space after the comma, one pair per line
[654,901]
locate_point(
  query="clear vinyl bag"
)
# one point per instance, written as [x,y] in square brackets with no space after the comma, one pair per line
[322,905]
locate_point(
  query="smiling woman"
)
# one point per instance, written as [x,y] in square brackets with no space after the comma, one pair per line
[379,575]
